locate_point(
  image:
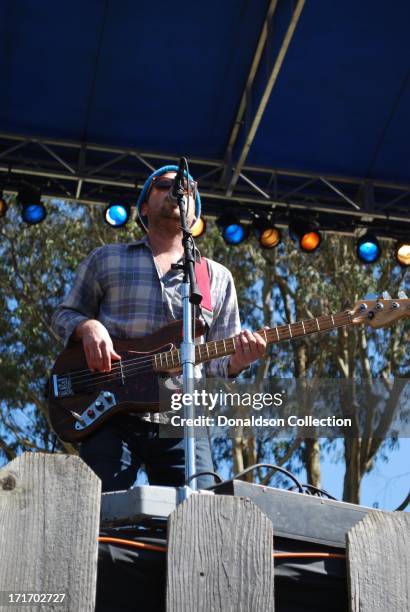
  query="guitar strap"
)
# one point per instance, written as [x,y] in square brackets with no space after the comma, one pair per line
[204,284]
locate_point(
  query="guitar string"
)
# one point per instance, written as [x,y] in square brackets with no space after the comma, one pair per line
[96,377]
[92,384]
[144,359]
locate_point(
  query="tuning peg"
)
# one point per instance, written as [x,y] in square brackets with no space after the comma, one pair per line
[386,295]
[402,295]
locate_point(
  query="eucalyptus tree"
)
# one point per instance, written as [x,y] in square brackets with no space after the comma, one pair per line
[283,285]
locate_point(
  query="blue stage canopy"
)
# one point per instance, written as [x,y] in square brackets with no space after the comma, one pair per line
[168,79]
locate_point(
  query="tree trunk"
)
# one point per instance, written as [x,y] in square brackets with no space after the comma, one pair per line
[311,460]
[251,458]
[237,455]
[351,487]
[311,450]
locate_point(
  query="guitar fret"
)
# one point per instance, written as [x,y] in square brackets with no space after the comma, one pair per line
[326,322]
[122,374]
[211,350]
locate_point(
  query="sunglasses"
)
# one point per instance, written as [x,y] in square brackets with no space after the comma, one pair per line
[165,184]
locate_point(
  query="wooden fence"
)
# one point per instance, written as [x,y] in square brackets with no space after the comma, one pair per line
[219,547]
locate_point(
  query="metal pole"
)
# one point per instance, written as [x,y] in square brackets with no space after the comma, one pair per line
[188,365]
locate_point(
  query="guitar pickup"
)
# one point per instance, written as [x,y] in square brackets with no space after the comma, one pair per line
[62,386]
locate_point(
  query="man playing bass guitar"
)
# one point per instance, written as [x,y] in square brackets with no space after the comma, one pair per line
[130,291]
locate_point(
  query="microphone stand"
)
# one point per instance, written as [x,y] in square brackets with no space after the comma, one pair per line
[191,296]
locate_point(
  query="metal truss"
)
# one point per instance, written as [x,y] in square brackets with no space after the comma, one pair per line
[247,123]
[95,174]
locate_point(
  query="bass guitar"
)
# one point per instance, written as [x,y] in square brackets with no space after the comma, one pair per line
[81,400]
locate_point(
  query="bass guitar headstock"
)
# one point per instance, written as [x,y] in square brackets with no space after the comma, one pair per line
[381,312]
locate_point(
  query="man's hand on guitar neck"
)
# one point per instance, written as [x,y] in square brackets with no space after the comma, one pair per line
[249,347]
[99,350]
[97,345]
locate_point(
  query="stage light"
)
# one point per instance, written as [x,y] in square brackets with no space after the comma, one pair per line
[233,231]
[117,215]
[306,233]
[270,238]
[199,228]
[310,241]
[403,252]
[33,209]
[368,248]
[268,235]
[3,205]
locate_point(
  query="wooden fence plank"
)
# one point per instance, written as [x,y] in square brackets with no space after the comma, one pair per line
[378,555]
[219,556]
[49,524]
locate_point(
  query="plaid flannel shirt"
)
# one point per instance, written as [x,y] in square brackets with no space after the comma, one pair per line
[122,286]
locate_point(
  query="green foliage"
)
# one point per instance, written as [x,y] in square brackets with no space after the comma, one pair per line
[37,266]
[286,285]
[283,285]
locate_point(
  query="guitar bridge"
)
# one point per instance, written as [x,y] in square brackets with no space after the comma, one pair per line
[62,386]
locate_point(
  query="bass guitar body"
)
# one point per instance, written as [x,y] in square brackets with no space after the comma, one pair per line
[81,400]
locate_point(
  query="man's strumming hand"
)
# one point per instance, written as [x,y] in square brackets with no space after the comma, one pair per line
[97,344]
[249,347]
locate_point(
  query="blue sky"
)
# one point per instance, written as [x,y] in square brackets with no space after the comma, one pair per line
[387,484]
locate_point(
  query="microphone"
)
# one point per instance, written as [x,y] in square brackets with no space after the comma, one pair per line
[178,181]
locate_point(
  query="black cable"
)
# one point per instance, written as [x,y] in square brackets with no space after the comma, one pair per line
[403,504]
[319,492]
[214,474]
[53,448]
[188,182]
[273,467]
[312,490]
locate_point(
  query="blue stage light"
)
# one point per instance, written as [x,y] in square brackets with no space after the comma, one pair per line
[368,248]
[33,213]
[33,210]
[117,215]
[233,231]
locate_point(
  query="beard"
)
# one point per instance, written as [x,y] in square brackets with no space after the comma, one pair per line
[169,210]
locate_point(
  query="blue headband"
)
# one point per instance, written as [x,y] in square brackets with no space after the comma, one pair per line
[143,195]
